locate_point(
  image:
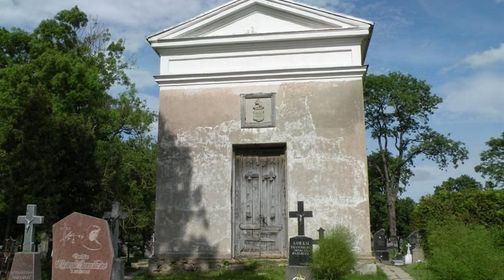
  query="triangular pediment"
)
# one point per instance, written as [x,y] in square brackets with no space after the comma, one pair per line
[243,17]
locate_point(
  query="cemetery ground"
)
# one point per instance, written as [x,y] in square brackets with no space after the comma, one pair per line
[246,270]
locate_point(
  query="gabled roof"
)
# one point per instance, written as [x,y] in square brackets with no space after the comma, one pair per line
[253,17]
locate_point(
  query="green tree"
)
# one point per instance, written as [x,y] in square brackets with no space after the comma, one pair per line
[66,143]
[461,183]
[460,200]
[492,162]
[378,199]
[398,108]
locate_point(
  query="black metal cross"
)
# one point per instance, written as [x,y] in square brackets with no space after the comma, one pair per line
[30,220]
[300,214]
[113,217]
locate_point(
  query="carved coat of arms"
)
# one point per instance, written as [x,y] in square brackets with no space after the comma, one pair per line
[258,111]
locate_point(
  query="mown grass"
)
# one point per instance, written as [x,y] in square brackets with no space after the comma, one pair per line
[255,270]
[380,275]
[419,271]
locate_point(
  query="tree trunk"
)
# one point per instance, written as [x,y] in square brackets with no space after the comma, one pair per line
[391,203]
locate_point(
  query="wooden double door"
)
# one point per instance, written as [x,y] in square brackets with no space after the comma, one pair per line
[260,217]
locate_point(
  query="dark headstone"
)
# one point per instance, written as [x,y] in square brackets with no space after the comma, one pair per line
[82,248]
[26,266]
[394,243]
[380,245]
[300,250]
[414,239]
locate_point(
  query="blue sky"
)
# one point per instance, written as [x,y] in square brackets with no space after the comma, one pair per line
[457,46]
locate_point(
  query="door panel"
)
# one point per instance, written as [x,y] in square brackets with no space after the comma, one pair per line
[260,214]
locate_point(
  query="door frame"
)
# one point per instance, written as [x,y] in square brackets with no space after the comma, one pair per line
[257,149]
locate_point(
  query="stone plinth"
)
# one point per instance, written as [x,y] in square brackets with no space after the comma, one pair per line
[26,266]
[298,273]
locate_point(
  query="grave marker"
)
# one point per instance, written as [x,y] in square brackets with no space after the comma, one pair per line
[408,259]
[82,248]
[26,264]
[380,245]
[30,220]
[300,247]
[300,214]
[114,217]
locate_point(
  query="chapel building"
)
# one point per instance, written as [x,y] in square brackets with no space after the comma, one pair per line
[261,106]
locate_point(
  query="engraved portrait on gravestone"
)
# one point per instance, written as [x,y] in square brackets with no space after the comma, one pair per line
[92,242]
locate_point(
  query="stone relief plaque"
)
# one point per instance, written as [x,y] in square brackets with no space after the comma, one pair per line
[257,110]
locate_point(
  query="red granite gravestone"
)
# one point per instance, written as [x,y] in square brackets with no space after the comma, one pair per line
[82,248]
[26,266]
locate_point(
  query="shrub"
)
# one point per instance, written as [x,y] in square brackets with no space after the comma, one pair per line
[334,258]
[459,251]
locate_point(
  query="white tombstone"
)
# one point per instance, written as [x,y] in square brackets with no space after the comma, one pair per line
[408,259]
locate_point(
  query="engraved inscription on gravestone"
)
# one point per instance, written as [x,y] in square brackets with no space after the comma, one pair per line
[300,250]
[257,110]
[26,266]
[82,248]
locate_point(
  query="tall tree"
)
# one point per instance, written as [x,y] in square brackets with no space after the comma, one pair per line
[66,143]
[492,162]
[378,199]
[398,108]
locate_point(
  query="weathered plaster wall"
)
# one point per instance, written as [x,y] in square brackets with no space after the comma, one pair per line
[322,124]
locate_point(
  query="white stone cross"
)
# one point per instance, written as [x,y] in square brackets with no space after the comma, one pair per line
[30,220]
[408,259]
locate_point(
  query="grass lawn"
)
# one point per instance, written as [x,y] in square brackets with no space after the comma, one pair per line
[255,270]
[419,271]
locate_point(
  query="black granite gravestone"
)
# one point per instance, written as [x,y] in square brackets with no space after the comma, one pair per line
[300,248]
[380,245]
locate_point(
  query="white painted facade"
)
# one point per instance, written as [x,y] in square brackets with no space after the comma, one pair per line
[308,57]
[261,40]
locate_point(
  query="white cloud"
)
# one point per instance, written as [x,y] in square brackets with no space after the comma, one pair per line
[142,78]
[487,57]
[132,20]
[339,6]
[479,96]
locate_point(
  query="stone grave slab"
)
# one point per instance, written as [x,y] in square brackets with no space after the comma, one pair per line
[299,273]
[82,248]
[26,266]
